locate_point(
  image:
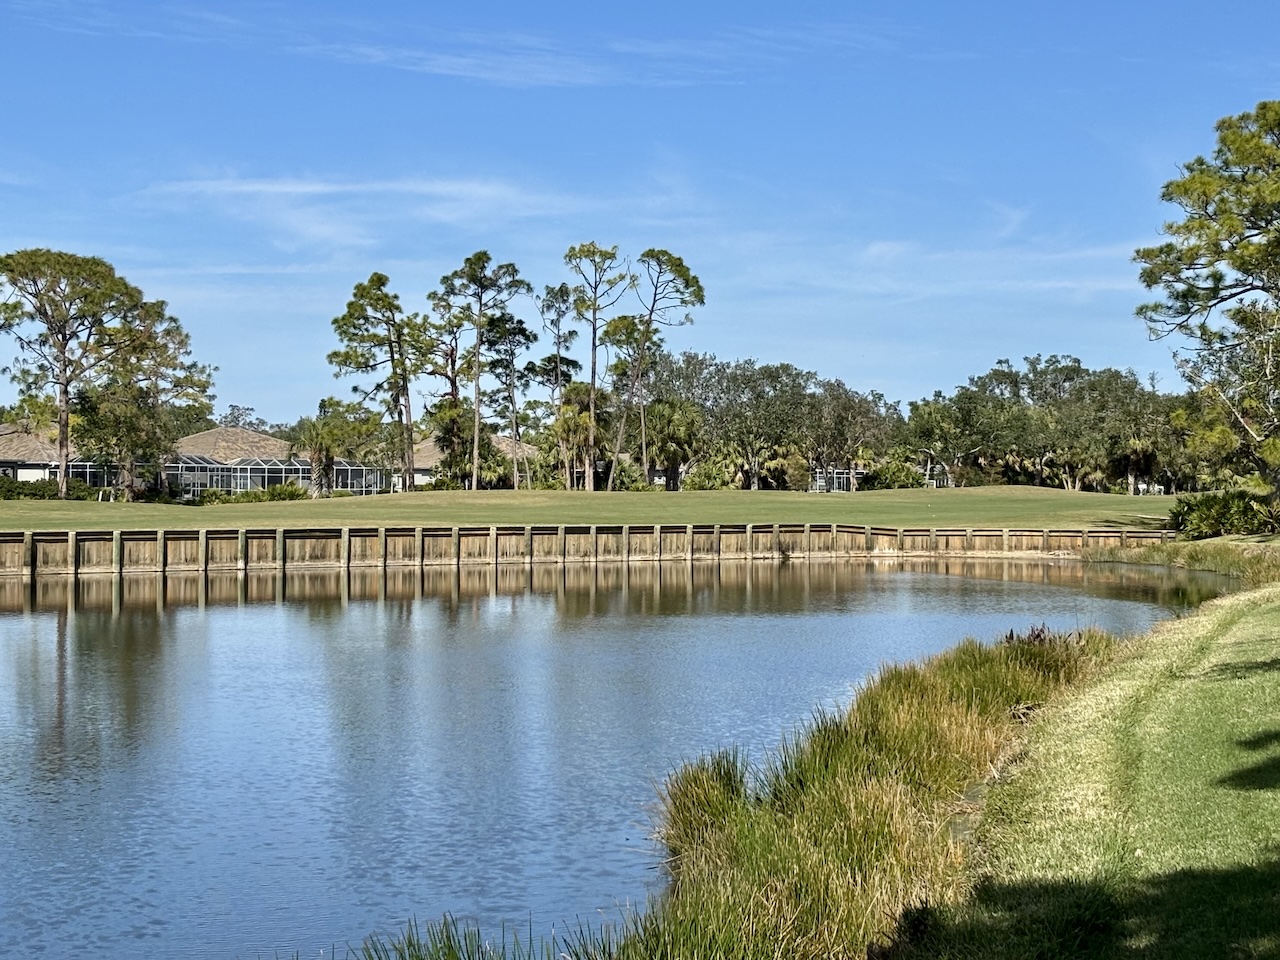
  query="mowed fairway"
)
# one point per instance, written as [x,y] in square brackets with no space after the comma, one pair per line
[1143,817]
[976,507]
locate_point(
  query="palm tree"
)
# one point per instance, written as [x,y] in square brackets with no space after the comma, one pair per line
[572,431]
[320,439]
[675,429]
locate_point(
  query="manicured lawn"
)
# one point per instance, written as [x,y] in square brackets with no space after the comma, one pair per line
[1145,818]
[979,507]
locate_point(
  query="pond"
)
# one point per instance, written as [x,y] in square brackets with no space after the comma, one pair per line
[243,767]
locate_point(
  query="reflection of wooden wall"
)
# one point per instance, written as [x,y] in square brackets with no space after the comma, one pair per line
[273,550]
[578,589]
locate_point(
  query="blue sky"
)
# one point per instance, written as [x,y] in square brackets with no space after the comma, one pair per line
[894,194]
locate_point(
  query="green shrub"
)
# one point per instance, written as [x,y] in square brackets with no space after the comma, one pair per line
[277,491]
[707,475]
[11,489]
[893,475]
[149,495]
[963,475]
[798,473]
[286,491]
[628,477]
[1224,512]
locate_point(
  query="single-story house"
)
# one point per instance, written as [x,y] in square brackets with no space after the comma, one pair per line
[230,459]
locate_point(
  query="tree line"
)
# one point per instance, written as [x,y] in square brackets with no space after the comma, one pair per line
[472,347]
[604,403]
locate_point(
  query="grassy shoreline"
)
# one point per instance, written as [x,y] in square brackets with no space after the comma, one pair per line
[1144,818]
[1254,560]
[1133,809]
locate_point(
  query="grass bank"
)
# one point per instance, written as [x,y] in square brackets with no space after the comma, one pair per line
[1144,818]
[1255,560]
[816,852]
[984,507]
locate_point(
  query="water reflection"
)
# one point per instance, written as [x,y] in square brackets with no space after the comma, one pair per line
[589,590]
[246,765]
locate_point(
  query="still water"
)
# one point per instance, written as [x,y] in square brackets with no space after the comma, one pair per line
[241,767]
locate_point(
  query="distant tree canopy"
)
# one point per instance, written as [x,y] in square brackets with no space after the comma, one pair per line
[244,418]
[388,347]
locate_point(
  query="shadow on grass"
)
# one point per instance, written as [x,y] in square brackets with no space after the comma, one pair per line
[1240,670]
[1131,521]
[1187,914]
[1260,741]
[1264,775]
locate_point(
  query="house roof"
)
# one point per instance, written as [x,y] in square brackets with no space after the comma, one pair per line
[427,456]
[225,444]
[510,448]
[21,447]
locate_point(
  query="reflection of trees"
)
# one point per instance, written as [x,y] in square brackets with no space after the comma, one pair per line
[118,659]
[105,683]
[671,588]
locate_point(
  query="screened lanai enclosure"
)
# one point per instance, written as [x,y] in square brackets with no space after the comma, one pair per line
[190,475]
[194,474]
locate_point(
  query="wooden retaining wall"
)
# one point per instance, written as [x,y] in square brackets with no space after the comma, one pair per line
[276,550]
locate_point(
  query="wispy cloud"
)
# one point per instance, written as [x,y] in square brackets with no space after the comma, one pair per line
[501,61]
[502,58]
[1008,218]
[886,273]
[10,179]
[725,56]
[758,45]
[330,213]
[97,18]
[441,198]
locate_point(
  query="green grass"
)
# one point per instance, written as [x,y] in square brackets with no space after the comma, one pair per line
[979,507]
[1144,820]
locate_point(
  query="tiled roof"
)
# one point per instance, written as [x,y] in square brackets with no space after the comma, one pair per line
[225,444]
[427,456]
[16,445]
[511,448]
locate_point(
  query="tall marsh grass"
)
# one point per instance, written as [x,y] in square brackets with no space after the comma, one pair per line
[1255,562]
[817,852]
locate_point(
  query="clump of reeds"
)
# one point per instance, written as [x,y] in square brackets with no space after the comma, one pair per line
[447,939]
[818,852]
